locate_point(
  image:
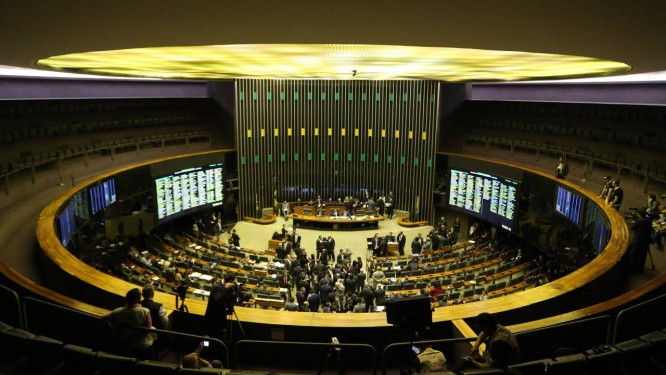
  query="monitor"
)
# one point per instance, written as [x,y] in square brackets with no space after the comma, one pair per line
[486,196]
[189,190]
[67,223]
[569,204]
[102,195]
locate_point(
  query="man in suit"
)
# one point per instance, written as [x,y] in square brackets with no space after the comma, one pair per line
[401,242]
[235,238]
[562,169]
[390,205]
[417,245]
[376,242]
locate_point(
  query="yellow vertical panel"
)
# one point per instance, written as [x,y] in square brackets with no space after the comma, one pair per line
[289,132]
[356,132]
[317,132]
[397,133]
[369,132]
[263,132]
[383,133]
[330,131]
[249,133]
[411,134]
[276,132]
[344,132]
[302,131]
[423,136]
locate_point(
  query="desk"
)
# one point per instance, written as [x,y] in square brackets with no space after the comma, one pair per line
[337,223]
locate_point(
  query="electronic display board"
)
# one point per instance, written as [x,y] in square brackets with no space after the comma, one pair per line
[102,195]
[188,190]
[569,204]
[602,231]
[483,195]
[67,223]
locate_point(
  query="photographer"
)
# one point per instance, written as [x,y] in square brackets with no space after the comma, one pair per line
[640,241]
[220,305]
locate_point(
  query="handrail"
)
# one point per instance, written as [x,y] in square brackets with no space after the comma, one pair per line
[332,346]
[14,305]
[657,312]
[58,159]
[220,346]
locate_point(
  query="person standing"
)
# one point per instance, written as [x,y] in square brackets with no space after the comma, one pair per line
[235,238]
[402,240]
[640,241]
[220,305]
[562,169]
[390,205]
[615,196]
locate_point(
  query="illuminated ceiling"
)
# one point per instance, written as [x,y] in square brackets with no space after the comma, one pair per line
[331,61]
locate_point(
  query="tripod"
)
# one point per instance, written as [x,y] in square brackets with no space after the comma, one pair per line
[334,354]
[228,335]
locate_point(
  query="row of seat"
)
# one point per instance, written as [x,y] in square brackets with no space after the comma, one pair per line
[652,170]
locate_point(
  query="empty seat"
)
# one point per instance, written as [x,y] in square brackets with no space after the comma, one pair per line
[111,364]
[156,368]
[79,360]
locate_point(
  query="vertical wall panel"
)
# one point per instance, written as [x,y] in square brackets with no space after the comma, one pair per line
[383,106]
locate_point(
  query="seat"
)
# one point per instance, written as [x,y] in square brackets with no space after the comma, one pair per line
[157,368]
[205,370]
[537,367]
[111,364]
[14,344]
[567,364]
[44,353]
[79,360]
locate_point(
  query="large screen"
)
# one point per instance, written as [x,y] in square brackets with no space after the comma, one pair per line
[569,204]
[485,196]
[188,190]
[102,195]
[67,223]
[602,231]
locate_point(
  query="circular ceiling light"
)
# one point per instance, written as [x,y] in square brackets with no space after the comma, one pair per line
[331,61]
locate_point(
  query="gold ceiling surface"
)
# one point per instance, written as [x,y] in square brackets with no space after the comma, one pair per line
[331,61]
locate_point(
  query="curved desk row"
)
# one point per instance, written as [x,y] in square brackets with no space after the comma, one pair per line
[565,294]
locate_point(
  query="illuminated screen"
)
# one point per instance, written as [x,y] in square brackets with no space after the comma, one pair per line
[102,195]
[485,196]
[188,190]
[602,231]
[67,223]
[569,204]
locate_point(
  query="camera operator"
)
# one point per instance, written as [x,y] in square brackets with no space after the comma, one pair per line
[220,305]
[640,241]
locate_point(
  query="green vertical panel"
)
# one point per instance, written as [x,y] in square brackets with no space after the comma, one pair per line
[375,158]
[241,96]
[418,97]
[243,160]
[256,159]
[295,95]
[255,95]
[391,97]
[364,96]
[405,97]
[402,160]
[309,95]
[337,96]
[269,95]
[416,161]
[309,156]
[323,96]
[378,97]
[429,163]
[349,157]
[350,96]
[362,157]
[323,156]
[283,157]
[336,157]
[389,159]
[282,95]
[270,158]
[433,98]
[295,156]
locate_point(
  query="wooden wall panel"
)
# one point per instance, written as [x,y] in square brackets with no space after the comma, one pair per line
[297,139]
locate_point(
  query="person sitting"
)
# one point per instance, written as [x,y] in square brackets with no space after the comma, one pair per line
[131,342]
[496,354]
[430,360]
[194,360]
